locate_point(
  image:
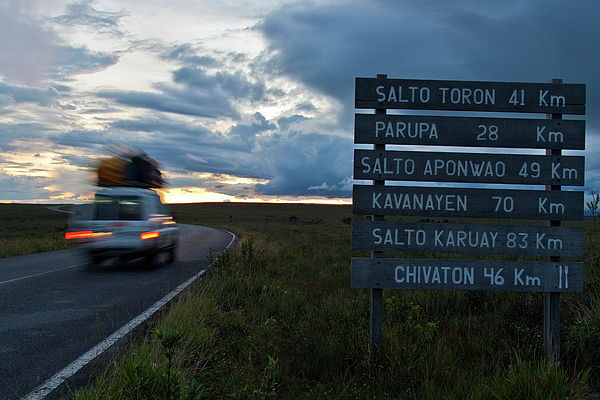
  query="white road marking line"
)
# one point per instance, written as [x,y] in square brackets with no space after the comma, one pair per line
[70,370]
[41,273]
[85,359]
[232,239]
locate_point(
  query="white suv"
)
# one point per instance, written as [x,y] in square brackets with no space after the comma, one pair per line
[125,222]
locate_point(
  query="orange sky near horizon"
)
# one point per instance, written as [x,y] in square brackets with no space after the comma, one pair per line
[197,195]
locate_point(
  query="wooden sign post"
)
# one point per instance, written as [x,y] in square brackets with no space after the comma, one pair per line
[552,170]
[552,299]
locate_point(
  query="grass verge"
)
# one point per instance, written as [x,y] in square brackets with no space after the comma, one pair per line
[276,318]
[31,228]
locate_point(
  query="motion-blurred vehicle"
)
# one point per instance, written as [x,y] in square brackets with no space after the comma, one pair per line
[127,218]
[125,222]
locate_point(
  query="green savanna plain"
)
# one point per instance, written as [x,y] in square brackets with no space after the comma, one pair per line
[276,317]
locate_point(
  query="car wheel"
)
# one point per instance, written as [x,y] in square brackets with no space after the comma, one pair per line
[150,261]
[96,260]
[172,254]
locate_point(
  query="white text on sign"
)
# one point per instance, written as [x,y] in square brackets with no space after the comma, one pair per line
[469,167]
[470,96]
[467,238]
[464,131]
[467,275]
[466,202]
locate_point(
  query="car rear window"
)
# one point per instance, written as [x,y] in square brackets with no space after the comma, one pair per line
[118,208]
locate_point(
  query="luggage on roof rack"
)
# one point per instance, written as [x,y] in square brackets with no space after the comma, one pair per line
[134,170]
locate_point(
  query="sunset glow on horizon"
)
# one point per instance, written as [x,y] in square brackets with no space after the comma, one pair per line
[198,195]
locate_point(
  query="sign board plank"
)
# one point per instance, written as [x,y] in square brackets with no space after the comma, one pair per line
[433,202]
[527,240]
[469,132]
[469,167]
[552,170]
[388,273]
[548,98]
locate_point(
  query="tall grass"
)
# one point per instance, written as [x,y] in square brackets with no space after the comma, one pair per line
[30,228]
[276,318]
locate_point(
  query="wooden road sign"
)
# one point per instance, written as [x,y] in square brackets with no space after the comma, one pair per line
[435,202]
[390,273]
[469,131]
[548,98]
[552,170]
[528,240]
[469,167]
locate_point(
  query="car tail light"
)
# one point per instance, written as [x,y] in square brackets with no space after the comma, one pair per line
[149,235]
[85,234]
[78,235]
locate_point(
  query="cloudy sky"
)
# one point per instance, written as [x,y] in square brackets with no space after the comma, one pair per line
[251,99]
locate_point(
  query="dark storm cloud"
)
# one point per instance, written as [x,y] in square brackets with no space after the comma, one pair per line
[326,45]
[25,94]
[177,100]
[306,106]
[196,93]
[175,137]
[228,155]
[184,147]
[302,162]
[285,122]
[186,54]
[234,85]
[83,139]
[77,60]
[295,159]
[248,133]
[163,124]
[448,40]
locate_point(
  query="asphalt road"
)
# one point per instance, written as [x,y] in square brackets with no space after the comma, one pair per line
[54,307]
